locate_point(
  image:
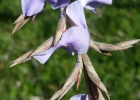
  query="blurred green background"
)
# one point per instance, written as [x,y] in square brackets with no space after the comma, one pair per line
[32,81]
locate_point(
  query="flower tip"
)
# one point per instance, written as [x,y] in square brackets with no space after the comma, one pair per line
[108,96]
[16,28]
[13,31]
[107,53]
[19,24]
[13,65]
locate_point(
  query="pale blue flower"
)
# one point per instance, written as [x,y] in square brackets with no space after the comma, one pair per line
[74,40]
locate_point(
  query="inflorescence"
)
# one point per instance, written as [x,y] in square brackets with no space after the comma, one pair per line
[75,40]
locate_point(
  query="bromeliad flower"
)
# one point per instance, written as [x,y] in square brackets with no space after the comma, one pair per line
[93,82]
[75,40]
[30,8]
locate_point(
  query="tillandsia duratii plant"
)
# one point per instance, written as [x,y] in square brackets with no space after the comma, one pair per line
[75,40]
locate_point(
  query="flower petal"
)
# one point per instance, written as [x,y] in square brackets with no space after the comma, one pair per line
[75,12]
[44,56]
[58,3]
[80,97]
[74,40]
[77,39]
[92,4]
[32,7]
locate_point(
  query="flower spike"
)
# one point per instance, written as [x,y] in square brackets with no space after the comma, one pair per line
[75,40]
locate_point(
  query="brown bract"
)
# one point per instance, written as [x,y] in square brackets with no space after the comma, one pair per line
[21,21]
[61,26]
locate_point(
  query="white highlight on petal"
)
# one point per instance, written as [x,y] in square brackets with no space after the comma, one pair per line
[80,97]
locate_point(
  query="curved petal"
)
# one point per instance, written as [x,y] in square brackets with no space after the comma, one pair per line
[80,97]
[75,12]
[77,39]
[32,7]
[58,3]
[92,4]
[74,40]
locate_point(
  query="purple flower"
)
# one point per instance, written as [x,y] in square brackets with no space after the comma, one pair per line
[76,39]
[33,7]
[92,4]
[75,12]
[80,97]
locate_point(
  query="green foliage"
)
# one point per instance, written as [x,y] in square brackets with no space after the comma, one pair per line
[120,73]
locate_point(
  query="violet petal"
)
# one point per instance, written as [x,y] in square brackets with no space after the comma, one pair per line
[58,3]
[92,4]
[75,12]
[77,38]
[44,56]
[74,40]
[32,7]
